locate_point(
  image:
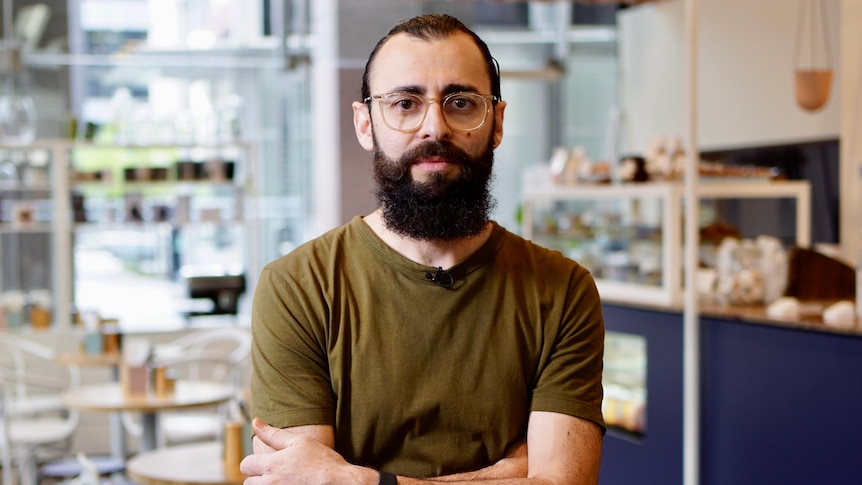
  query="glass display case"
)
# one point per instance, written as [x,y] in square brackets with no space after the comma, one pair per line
[624,380]
[631,236]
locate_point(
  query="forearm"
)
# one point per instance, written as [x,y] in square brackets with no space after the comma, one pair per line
[367,476]
[563,451]
[511,469]
[467,480]
[474,478]
[503,475]
[513,465]
[506,472]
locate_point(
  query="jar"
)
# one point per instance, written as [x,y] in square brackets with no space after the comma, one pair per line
[13,303]
[741,278]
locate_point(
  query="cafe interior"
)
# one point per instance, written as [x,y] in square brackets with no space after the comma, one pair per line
[156,154]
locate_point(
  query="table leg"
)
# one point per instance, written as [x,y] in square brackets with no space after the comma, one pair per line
[118,432]
[118,436]
[149,428]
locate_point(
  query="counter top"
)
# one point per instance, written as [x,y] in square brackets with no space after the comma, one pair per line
[809,319]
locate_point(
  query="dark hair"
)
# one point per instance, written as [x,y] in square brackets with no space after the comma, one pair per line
[435,26]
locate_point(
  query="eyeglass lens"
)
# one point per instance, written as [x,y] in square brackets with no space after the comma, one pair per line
[406,111]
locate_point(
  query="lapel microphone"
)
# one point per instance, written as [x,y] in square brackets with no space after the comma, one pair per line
[444,279]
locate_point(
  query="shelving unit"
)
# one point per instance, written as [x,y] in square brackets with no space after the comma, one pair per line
[29,206]
[630,236]
[205,73]
[222,201]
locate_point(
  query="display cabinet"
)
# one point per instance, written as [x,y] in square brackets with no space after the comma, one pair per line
[151,235]
[630,236]
[171,221]
[624,382]
[32,266]
[169,105]
[25,189]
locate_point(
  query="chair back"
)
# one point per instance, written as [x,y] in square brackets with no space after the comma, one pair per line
[219,354]
[32,413]
[34,380]
[5,445]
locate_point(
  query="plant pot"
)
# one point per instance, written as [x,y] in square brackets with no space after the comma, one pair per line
[812,88]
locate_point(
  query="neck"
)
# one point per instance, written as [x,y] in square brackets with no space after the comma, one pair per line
[437,253]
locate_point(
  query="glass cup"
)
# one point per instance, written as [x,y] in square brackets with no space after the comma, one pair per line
[17,120]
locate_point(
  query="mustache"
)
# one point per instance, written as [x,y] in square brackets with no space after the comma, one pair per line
[436,149]
[442,149]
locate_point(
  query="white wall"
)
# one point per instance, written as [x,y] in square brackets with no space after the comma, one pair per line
[851,130]
[745,70]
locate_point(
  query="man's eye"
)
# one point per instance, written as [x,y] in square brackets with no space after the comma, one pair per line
[405,104]
[461,103]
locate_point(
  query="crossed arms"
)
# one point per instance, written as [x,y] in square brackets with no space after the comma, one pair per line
[562,450]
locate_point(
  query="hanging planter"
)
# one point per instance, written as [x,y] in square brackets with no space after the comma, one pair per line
[812,80]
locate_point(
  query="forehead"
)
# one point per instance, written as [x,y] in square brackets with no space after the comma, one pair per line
[429,65]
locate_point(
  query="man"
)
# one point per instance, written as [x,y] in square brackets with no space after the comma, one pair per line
[424,340]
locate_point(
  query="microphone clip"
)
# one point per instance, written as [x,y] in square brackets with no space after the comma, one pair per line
[442,278]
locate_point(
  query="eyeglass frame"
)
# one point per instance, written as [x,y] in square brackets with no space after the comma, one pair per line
[428,101]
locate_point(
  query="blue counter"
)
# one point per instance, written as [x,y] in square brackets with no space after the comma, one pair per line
[778,403]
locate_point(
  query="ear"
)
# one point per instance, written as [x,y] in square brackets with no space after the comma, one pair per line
[499,110]
[362,125]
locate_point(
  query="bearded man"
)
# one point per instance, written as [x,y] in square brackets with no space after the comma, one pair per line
[423,342]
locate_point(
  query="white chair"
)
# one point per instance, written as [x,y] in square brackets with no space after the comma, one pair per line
[219,354]
[33,421]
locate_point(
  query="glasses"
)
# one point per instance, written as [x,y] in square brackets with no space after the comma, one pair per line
[404,111]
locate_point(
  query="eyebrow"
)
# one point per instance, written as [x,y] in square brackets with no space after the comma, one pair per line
[449,89]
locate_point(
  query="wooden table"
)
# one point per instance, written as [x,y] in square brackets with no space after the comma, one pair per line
[87,360]
[109,397]
[195,464]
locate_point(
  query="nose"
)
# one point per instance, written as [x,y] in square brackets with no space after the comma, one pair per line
[434,125]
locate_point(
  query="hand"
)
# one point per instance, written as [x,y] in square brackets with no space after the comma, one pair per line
[298,459]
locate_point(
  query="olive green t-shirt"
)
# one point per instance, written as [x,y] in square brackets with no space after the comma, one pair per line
[418,379]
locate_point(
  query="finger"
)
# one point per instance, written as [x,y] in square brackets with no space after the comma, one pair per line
[262,431]
[254,481]
[259,446]
[275,438]
[249,466]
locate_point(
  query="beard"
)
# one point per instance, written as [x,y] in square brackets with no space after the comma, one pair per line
[443,208]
